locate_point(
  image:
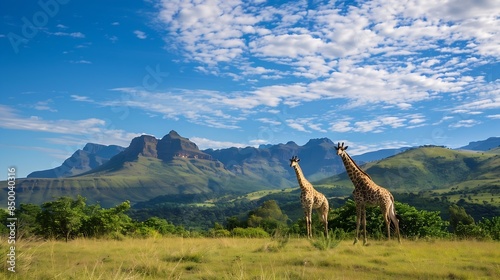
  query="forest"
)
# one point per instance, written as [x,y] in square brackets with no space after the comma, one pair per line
[66,218]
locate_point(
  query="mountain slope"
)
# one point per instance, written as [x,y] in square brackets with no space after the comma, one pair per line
[483,145]
[147,168]
[431,168]
[91,156]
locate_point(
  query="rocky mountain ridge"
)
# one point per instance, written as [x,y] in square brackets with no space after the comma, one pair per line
[81,161]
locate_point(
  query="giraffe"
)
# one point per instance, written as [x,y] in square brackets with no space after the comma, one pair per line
[310,198]
[368,193]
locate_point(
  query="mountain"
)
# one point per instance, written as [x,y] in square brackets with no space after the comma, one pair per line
[431,168]
[90,157]
[174,168]
[147,168]
[378,155]
[171,146]
[484,145]
[318,160]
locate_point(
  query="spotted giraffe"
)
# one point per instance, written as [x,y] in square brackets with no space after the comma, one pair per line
[368,193]
[310,199]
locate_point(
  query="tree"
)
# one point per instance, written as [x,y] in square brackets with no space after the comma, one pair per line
[27,224]
[3,218]
[413,223]
[416,223]
[161,225]
[491,226]
[100,222]
[268,216]
[459,216]
[62,217]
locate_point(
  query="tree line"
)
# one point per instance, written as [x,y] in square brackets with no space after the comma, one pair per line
[67,218]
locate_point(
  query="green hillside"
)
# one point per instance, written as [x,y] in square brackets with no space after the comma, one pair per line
[430,168]
[140,180]
[432,178]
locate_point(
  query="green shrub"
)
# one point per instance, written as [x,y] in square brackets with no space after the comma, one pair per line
[324,243]
[249,232]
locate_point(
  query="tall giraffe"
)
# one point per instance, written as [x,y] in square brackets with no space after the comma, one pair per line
[368,193]
[310,198]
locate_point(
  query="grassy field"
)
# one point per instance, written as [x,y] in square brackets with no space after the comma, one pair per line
[239,258]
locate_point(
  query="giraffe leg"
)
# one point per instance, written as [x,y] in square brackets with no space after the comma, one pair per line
[365,239]
[326,224]
[308,215]
[324,218]
[388,225]
[309,225]
[358,223]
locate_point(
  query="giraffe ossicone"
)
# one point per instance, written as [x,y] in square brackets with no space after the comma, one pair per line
[310,199]
[368,193]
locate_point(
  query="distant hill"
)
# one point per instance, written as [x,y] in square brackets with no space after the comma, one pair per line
[86,159]
[318,160]
[148,168]
[431,168]
[173,167]
[378,155]
[484,145]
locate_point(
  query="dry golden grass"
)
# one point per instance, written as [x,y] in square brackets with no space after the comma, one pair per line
[239,258]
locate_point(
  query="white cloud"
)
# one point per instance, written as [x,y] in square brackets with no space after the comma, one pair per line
[81,61]
[305,124]
[80,98]
[352,49]
[44,106]
[357,148]
[464,123]
[69,34]
[204,143]
[496,116]
[140,34]
[91,130]
[341,126]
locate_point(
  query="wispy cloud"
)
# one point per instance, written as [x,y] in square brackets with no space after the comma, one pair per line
[364,53]
[81,61]
[205,143]
[377,124]
[68,34]
[92,130]
[359,56]
[140,34]
[464,123]
[44,106]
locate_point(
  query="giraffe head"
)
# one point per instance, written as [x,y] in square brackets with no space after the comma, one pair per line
[341,148]
[294,161]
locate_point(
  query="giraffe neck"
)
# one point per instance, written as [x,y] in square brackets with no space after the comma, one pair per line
[303,183]
[356,174]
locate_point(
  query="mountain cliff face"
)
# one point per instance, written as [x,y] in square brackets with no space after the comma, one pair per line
[484,145]
[318,159]
[86,159]
[173,165]
[173,145]
[169,147]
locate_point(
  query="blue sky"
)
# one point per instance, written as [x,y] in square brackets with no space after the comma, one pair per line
[376,74]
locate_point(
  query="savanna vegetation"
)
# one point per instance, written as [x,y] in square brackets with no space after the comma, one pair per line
[69,239]
[251,258]
[66,219]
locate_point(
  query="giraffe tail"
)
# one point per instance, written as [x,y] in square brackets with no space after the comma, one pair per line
[393,210]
